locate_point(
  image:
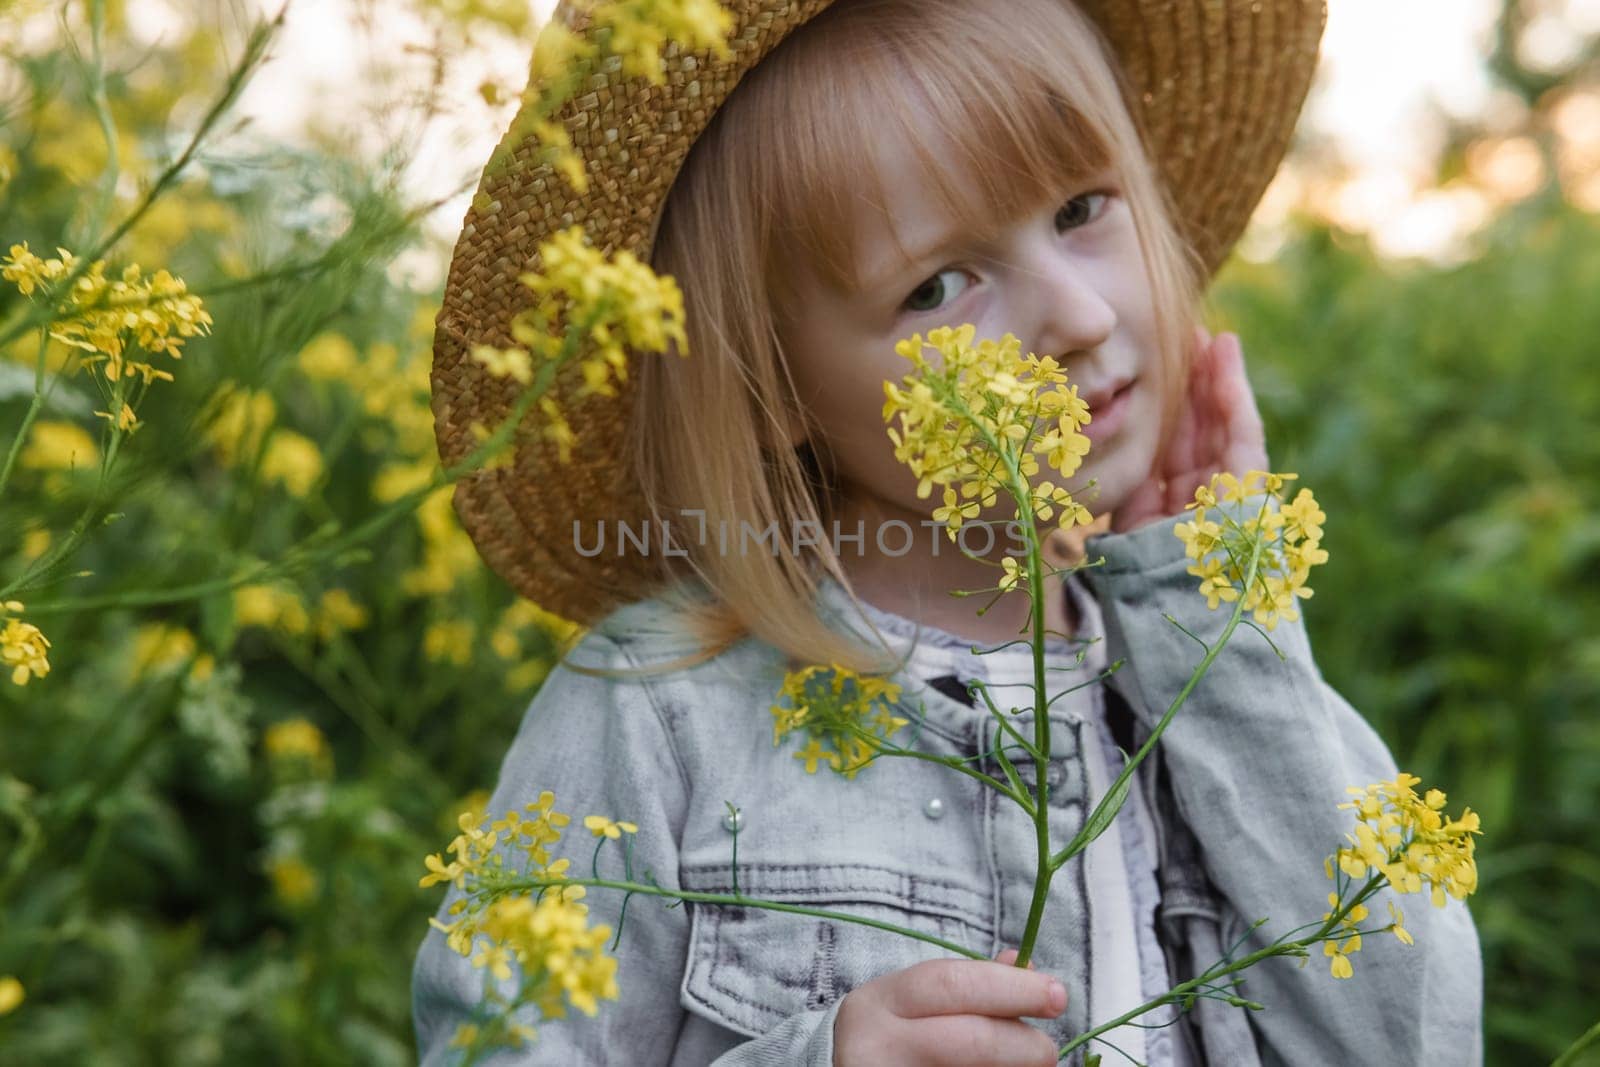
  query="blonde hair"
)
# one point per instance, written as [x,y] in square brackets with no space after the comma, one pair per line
[1031,95]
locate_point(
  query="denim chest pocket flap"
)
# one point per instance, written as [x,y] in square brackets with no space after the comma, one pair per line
[750,968]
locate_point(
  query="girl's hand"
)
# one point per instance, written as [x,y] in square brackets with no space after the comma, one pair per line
[1219,429]
[949,1013]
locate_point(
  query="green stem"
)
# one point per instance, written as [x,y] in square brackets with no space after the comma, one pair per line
[1078,844]
[1279,947]
[33,412]
[954,763]
[1569,1058]
[255,51]
[1041,727]
[56,827]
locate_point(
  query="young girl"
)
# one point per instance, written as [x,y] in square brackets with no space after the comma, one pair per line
[850,174]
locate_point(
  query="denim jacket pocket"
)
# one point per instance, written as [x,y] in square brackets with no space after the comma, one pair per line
[751,968]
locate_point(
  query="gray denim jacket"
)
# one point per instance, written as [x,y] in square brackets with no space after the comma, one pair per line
[1244,799]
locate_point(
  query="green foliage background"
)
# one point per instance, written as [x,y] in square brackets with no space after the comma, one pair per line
[1444,418]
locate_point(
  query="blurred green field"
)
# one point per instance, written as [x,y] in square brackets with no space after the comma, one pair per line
[214,807]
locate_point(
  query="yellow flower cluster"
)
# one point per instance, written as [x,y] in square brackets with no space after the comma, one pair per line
[635,31]
[1291,535]
[59,446]
[1339,951]
[395,389]
[337,612]
[293,881]
[11,994]
[240,421]
[23,647]
[967,420]
[1410,842]
[475,853]
[639,29]
[619,303]
[159,647]
[103,316]
[280,608]
[293,461]
[559,954]
[243,418]
[298,742]
[447,552]
[270,607]
[836,707]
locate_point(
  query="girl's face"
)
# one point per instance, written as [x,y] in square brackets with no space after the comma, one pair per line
[1067,278]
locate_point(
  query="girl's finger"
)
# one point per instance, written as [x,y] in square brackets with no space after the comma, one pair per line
[1189,434]
[972,987]
[1244,426]
[962,1040]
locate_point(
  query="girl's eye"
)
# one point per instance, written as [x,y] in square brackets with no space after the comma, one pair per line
[1069,217]
[932,294]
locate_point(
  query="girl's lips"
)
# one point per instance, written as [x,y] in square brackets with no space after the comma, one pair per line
[1107,419]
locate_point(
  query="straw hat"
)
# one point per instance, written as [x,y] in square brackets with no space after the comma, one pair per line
[1218,87]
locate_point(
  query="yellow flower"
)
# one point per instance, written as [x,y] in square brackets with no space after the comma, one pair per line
[1399,925]
[296,739]
[604,827]
[544,934]
[54,445]
[395,480]
[1340,953]
[501,457]
[270,606]
[293,460]
[1215,585]
[836,705]
[293,881]
[1014,572]
[551,939]
[124,419]
[1199,536]
[1285,533]
[11,994]
[1405,840]
[23,649]
[159,647]
[504,362]
[337,612]
[640,28]
[35,543]
[609,307]
[328,357]
[448,641]
[968,418]
[242,419]
[156,314]
[556,49]
[813,752]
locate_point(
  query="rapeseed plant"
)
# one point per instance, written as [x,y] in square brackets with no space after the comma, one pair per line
[835,706]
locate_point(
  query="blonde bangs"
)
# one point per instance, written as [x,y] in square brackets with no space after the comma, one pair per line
[1004,105]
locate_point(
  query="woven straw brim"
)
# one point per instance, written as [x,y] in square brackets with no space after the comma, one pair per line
[1218,87]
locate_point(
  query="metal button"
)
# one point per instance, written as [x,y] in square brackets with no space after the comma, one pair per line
[733,822]
[934,808]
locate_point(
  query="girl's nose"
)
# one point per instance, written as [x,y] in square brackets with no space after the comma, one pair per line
[1072,313]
